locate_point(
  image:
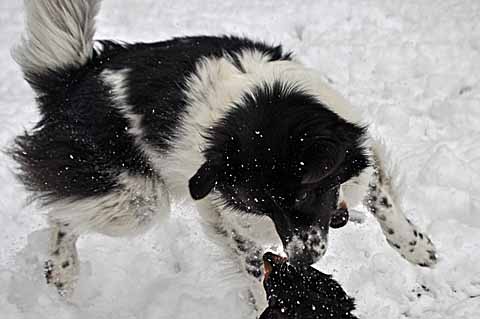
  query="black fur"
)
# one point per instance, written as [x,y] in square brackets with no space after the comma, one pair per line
[302,293]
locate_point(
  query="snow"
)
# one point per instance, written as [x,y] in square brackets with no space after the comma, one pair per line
[411,67]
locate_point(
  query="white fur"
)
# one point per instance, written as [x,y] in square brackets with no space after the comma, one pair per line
[211,90]
[259,229]
[296,244]
[58,33]
[117,81]
[401,234]
[130,209]
[136,205]
[63,267]
[354,190]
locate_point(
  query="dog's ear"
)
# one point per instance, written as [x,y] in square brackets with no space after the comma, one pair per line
[321,159]
[204,180]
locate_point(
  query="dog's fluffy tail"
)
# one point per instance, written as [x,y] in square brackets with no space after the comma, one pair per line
[59,37]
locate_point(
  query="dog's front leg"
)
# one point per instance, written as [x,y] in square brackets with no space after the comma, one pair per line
[399,231]
[245,254]
[250,257]
[62,269]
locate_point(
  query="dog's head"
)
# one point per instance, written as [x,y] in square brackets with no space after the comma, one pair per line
[281,153]
[302,292]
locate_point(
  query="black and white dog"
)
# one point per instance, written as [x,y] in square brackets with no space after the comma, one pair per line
[264,146]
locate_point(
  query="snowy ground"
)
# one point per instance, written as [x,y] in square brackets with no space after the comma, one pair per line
[412,67]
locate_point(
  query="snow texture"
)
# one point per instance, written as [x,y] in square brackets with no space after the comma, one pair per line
[411,67]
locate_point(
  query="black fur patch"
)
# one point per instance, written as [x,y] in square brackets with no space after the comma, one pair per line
[384,201]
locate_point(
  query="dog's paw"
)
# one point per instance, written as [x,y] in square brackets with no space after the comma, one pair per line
[417,248]
[62,274]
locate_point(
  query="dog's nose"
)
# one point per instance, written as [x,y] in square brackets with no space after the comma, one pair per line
[340,216]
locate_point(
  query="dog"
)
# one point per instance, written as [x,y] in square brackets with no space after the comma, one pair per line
[303,292]
[268,151]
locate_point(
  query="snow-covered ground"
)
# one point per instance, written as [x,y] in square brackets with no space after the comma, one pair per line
[412,67]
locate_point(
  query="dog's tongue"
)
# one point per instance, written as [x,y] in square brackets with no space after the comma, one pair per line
[340,217]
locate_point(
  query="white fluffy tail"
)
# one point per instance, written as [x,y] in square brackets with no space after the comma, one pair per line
[59,34]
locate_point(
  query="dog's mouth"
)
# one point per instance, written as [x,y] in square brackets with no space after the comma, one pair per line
[340,216]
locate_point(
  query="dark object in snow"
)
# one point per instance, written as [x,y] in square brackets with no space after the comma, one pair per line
[302,292]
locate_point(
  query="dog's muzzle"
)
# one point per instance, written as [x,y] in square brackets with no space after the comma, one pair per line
[307,247]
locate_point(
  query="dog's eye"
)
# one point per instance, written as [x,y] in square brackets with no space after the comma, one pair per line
[302,196]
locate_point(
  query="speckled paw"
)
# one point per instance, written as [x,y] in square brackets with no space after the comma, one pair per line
[418,249]
[62,275]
